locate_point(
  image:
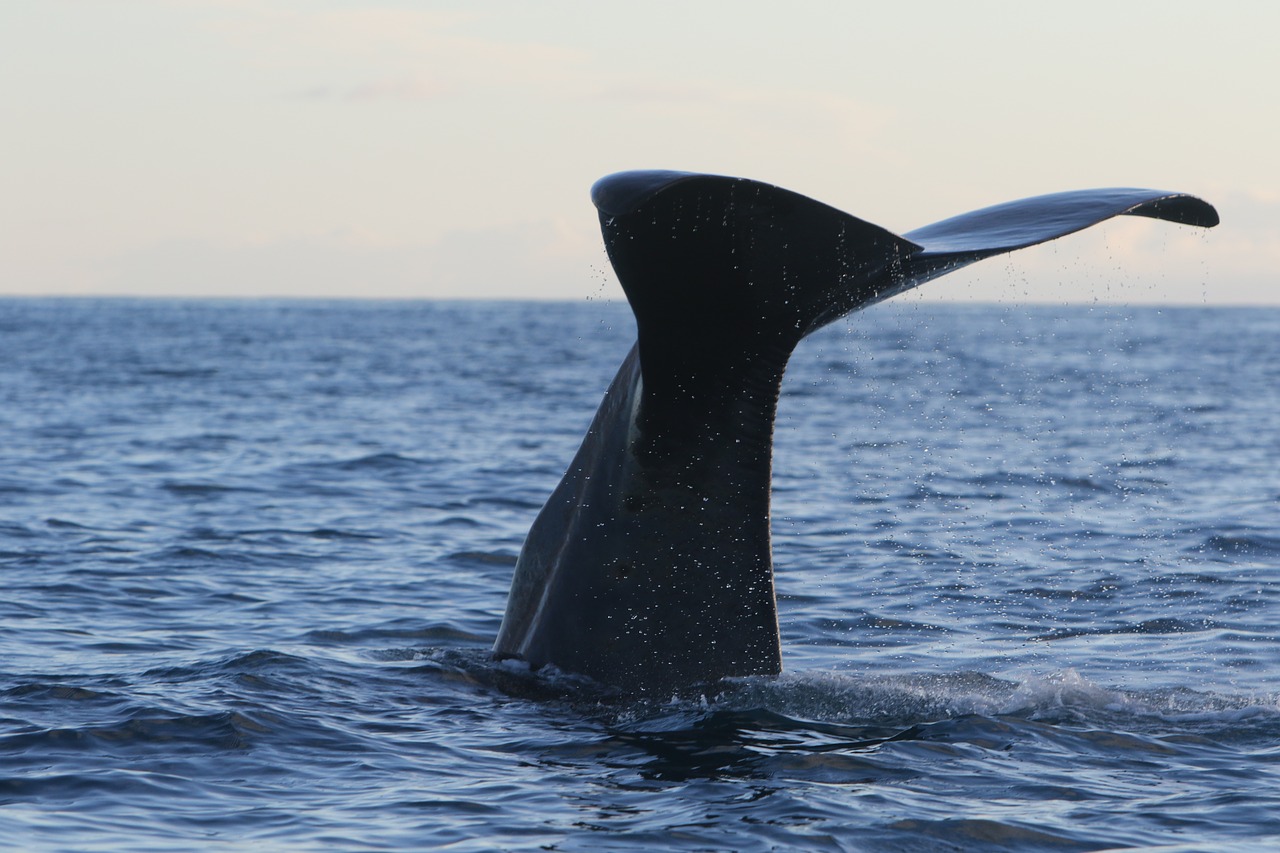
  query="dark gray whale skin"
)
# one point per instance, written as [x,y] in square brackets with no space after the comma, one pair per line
[649,569]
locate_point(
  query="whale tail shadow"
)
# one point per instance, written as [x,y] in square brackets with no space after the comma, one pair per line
[650,566]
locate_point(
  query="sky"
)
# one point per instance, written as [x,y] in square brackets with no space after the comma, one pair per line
[370,148]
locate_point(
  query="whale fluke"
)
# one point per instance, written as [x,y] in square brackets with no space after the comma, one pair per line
[649,567]
[961,240]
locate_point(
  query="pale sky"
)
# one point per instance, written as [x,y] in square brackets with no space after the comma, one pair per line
[445,149]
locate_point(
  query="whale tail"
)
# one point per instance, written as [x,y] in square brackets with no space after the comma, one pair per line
[650,566]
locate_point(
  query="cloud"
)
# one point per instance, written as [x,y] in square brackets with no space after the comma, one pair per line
[384,52]
[1128,260]
[780,104]
[403,88]
[543,259]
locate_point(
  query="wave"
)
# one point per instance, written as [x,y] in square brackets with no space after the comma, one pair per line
[1250,545]
[887,701]
[374,462]
[1147,626]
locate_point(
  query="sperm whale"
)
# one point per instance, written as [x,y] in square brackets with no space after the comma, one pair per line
[650,567]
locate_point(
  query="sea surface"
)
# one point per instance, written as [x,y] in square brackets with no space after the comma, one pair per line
[253,556]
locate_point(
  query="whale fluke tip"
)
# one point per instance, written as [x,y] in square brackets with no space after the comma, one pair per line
[1180,208]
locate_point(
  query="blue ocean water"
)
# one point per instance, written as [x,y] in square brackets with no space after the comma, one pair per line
[253,556]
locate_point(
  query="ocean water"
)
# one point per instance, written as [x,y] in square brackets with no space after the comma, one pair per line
[253,556]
